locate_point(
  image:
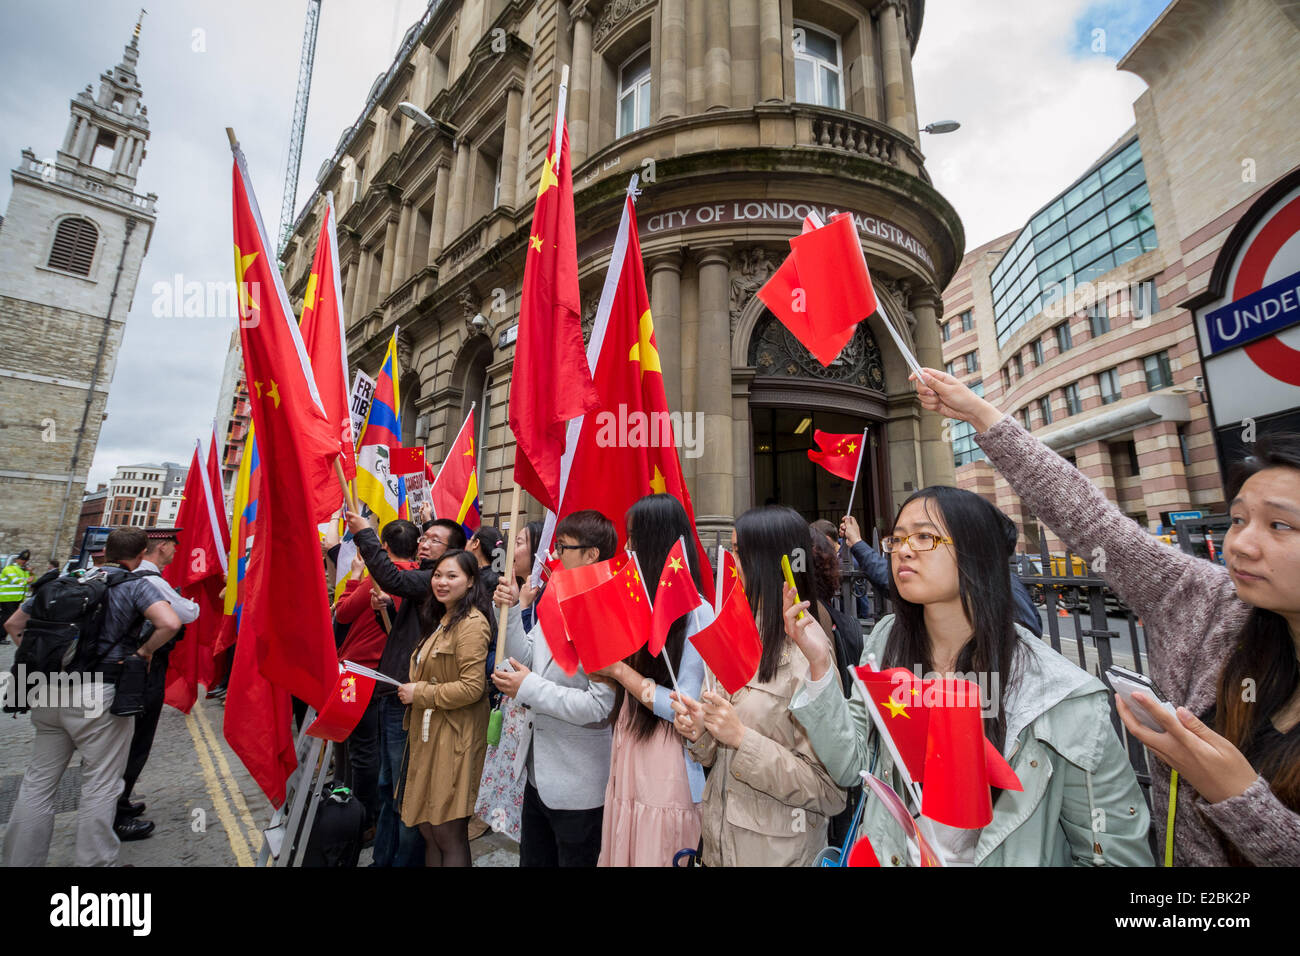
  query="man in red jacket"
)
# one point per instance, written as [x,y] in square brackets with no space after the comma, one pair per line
[364,645]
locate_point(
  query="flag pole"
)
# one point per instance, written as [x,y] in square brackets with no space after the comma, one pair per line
[663,652]
[862,450]
[343,483]
[510,569]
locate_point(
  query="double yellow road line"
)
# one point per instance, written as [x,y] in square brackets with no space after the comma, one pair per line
[244,835]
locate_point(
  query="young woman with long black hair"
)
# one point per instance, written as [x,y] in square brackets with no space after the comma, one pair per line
[448,715]
[948,553]
[1223,641]
[768,797]
[651,800]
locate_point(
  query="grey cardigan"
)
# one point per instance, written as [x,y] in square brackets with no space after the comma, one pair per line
[1191,616]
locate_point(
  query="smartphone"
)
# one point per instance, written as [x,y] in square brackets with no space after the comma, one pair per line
[1125,682]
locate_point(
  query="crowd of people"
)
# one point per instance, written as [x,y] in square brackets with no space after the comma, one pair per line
[651,762]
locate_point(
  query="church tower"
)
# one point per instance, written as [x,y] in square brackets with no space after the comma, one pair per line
[72,241]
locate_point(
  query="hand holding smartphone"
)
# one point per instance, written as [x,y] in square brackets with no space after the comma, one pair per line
[1125,683]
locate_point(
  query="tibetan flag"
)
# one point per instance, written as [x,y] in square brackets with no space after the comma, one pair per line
[605,608]
[730,645]
[629,448]
[550,382]
[347,702]
[284,589]
[377,485]
[455,490]
[935,727]
[840,454]
[248,482]
[823,288]
[675,595]
[325,339]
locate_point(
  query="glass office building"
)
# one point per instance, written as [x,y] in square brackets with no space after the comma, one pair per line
[1100,222]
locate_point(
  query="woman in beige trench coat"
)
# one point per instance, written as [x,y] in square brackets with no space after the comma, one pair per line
[448,716]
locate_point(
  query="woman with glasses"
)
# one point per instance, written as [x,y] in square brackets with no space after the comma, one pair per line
[768,797]
[1080,803]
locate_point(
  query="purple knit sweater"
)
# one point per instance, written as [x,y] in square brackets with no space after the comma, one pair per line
[1191,616]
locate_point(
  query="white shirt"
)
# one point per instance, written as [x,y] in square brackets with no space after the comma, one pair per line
[186,610]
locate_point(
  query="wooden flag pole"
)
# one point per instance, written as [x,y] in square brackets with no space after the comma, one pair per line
[509,570]
[343,483]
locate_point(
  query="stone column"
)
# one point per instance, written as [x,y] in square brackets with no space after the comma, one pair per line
[745,46]
[354,283]
[695,56]
[771,51]
[937,466]
[713,473]
[390,256]
[74,127]
[717,59]
[909,92]
[361,295]
[672,75]
[79,144]
[401,259]
[870,69]
[438,220]
[892,53]
[666,307]
[510,147]
[457,199]
[580,88]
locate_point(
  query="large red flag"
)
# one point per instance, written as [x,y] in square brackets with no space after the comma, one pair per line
[325,340]
[455,491]
[550,382]
[285,601]
[195,564]
[628,449]
[731,645]
[839,454]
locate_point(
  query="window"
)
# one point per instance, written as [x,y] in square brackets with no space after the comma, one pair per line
[74,246]
[1045,409]
[1157,371]
[634,93]
[1036,347]
[1099,318]
[1072,403]
[1064,342]
[359,183]
[1131,451]
[945,330]
[818,72]
[1145,303]
[1024,417]
[1183,446]
[1108,383]
[964,448]
[967,322]
[105,145]
[950,368]
[972,362]
[1018,365]
[1006,380]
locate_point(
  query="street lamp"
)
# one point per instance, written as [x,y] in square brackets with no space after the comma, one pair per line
[943,126]
[421,118]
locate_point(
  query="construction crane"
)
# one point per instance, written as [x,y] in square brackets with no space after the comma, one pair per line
[299,121]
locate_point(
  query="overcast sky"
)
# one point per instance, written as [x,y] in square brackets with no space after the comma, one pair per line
[1033,83]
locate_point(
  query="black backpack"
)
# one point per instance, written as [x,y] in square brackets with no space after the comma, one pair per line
[337,831]
[67,616]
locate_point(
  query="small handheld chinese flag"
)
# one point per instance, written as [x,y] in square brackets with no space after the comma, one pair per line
[675,595]
[839,454]
[556,632]
[344,707]
[731,645]
[606,610]
[406,461]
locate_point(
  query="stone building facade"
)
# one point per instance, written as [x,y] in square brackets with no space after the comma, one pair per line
[1080,323]
[739,117]
[73,238]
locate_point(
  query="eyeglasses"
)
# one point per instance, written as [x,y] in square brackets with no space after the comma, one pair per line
[561,548]
[917,541]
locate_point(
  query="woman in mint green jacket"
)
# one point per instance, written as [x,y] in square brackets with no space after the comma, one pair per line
[1080,804]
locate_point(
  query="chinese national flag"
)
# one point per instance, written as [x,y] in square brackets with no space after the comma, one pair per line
[551,382]
[556,632]
[823,288]
[731,645]
[675,596]
[326,344]
[840,454]
[406,461]
[605,608]
[342,711]
[455,491]
[936,728]
[285,601]
[628,449]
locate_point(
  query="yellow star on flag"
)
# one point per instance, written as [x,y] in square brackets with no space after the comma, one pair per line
[853,446]
[274,392]
[535,243]
[471,447]
[658,484]
[549,178]
[644,347]
[675,563]
[309,297]
[242,262]
[896,708]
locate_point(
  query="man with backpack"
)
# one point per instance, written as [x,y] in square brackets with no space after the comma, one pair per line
[82,632]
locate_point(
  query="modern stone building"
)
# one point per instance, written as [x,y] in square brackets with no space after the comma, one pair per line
[740,117]
[1080,322]
[73,238]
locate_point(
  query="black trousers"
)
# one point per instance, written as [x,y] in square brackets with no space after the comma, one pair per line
[146,724]
[557,837]
[361,760]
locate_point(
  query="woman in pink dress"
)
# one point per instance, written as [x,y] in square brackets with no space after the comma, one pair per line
[651,800]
